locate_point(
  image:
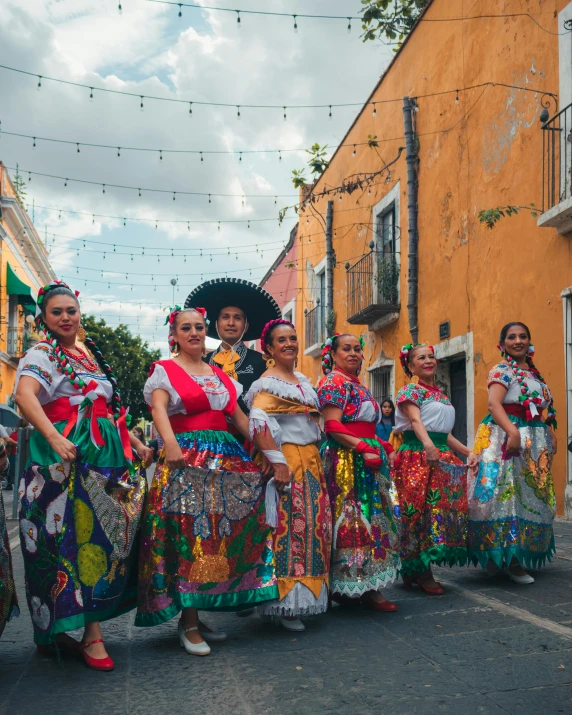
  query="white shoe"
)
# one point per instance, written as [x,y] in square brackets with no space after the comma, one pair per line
[521,580]
[292,624]
[192,648]
[213,636]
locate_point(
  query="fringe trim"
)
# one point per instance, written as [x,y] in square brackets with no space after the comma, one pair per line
[355,590]
[436,556]
[503,556]
[299,601]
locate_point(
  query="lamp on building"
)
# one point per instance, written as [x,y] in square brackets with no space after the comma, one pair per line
[544,115]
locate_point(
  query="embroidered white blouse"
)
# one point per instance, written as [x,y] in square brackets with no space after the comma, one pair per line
[212,386]
[298,429]
[437,412]
[40,363]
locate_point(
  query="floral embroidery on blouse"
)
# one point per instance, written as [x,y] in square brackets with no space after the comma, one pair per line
[501,374]
[349,396]
[37,370]
[417,394]
[210,383]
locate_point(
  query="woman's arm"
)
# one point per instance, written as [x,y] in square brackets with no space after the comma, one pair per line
[265,442]
[497,393]
[413,414]
[27,400]
[144,452]
[335,413]
[460,448]
[240,421]
[173,453]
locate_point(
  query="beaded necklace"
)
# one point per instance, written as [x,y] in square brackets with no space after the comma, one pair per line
[345,373]
[527,398]
[83,358]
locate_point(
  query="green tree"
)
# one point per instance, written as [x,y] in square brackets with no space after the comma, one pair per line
[19,187]
[390,19]
[130,359]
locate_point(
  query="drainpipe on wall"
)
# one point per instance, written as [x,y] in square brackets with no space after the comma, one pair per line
[412,218]
[330,318]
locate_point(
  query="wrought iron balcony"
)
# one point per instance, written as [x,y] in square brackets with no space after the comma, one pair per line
[314,325]
[557,170]
[372,287]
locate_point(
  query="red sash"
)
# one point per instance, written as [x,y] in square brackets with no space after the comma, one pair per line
[60,409]
[520,411]
[198,413]
[361,430]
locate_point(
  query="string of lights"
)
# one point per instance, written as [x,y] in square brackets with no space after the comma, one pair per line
[295,18]
[283,107]
[106,185]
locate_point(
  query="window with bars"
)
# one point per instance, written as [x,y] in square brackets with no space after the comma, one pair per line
[380,382]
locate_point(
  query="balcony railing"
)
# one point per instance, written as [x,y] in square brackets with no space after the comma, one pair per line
[557,159]
[373,287]
[314,326]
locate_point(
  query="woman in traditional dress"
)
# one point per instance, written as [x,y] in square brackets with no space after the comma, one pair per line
[365,550]
[205,543]
[431,481]
[8,600]
[511,499]
[81,498]
[284,414]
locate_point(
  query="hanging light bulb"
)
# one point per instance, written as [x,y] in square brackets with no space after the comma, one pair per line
[141,107]
[457,97]
[349,25]
[34,144]
[190,109]
[374,110]
[240,157]
[295,24]
[202,157]
[180,11]
[210,201]
[91,94]
[119,151]
[103,185]
[280,156]
[120,9]
[238,19]
[285,117]
[139,192]
[354,151]
[160,154]
[65,184]
[237,111]
[78,151]
[330,114]
[39,87]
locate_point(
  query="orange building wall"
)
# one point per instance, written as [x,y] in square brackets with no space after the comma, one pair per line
[480,152]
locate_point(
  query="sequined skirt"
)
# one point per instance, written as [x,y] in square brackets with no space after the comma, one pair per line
[8,600]
[433,505]
[366,525]
[79,528]
[511,500]
[303,537]
[205,543]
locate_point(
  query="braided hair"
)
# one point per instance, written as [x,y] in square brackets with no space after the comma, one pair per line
[526,397]
[269,328]
[62,363]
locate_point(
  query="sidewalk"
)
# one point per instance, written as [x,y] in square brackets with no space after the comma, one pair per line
[487,646]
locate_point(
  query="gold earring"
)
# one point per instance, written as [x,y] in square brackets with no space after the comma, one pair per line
[270,362]
[81,334]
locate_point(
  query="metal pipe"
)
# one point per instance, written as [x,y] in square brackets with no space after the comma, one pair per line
[329,267]
[412,219]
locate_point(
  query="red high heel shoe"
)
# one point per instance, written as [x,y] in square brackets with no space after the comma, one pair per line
[382,606]
[434,590]
[105,664]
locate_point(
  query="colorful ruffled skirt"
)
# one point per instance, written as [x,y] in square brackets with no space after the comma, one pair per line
[8,600]
[366,523]
[79,526]
[303,537]
[511,499]
[205,543]
[433,505]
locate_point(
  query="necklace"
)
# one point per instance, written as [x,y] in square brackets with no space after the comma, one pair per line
[431,388]
[347,374]
[527,398]
[83,358]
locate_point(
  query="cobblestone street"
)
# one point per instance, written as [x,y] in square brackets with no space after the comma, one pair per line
[469,651]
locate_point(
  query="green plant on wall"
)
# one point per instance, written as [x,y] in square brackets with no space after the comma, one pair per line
[490,217]
[388,278]
[390,19]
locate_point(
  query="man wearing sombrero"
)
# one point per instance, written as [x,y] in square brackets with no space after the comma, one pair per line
[238,311]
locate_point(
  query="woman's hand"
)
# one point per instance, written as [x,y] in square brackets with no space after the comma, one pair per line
[174,456]
[63,447]
[472,461]
[391,459]
[554,441]
[282,476]
[432,454]
[266,467]
[145,454]
[513,442]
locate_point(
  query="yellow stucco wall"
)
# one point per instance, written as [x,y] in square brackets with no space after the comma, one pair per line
[483,151]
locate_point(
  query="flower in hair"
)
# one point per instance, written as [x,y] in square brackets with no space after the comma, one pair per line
[269,325]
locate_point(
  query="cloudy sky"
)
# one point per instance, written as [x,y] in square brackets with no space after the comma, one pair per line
[203,56]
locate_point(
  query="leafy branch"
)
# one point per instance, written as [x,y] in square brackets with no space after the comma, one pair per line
[390,19]
[317,163]
[490,217]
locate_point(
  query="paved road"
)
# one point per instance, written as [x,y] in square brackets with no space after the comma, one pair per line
[487,646]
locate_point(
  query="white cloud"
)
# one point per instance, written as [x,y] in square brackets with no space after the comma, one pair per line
[203,57]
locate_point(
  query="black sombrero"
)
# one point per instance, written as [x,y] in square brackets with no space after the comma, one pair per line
[218,293]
